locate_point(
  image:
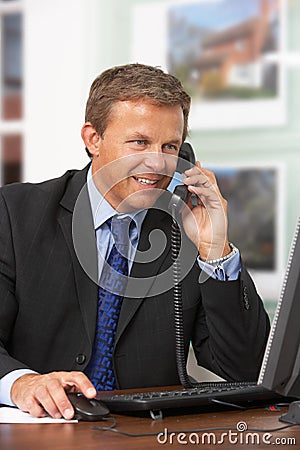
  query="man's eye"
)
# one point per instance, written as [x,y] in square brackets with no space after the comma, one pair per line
[140,142]
[171,147]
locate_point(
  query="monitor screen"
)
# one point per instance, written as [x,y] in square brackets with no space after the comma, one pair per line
[280,370]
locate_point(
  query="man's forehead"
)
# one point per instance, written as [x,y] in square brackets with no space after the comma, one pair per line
[143,102]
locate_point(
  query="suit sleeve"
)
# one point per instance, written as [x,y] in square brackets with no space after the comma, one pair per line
[8,298]
[231,329]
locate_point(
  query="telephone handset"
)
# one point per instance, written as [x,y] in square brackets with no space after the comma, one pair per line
[186,152]
[186,158]
[179,197]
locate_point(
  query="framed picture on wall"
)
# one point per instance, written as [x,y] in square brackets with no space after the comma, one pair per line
[255,195]
[226,54]
[256,214]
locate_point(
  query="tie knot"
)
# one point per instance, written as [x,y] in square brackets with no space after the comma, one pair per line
[120,228]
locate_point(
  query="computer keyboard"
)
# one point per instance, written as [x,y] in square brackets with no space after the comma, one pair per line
[208,393]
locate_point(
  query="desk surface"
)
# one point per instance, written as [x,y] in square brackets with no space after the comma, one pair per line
[81,436]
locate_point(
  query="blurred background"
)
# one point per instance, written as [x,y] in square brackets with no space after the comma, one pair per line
[240,61]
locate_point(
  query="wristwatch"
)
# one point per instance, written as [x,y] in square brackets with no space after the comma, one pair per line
[224,258]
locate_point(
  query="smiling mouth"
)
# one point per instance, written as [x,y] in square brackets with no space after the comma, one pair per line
[146,181]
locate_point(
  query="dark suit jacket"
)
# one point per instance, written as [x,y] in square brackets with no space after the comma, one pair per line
[48,303]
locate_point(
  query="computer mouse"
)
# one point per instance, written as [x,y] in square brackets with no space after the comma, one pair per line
[87,409]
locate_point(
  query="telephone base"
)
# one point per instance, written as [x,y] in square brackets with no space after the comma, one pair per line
[293,414]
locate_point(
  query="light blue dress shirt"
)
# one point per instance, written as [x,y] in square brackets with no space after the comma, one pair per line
[102,210]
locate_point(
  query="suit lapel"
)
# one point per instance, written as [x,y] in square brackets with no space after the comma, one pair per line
[143,275]
[77,226]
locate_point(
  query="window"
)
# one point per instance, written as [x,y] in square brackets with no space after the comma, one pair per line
[11,90]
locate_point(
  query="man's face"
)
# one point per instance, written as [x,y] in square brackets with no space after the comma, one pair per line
[136,157]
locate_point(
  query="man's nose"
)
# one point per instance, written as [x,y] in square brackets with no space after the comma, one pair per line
[156,160]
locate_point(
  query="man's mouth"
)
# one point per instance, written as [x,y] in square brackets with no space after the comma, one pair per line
[145,181]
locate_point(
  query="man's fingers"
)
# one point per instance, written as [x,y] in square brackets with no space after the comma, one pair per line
[37,393]
[198,180]
[80,382]
[203,183]
[54,400]
[71,381]
[32,406]
[44,398]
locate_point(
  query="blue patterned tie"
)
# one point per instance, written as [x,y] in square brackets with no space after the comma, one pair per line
[112,287]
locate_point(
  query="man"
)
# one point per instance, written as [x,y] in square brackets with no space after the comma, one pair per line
[55,239]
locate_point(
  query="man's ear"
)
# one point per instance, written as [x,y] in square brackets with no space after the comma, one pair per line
[91,138]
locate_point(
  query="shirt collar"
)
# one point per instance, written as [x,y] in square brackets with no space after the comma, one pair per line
[102,210]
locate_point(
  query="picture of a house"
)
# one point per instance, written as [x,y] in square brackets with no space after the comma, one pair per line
[223,59]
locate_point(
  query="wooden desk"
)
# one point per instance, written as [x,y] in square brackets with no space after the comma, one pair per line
[81,436]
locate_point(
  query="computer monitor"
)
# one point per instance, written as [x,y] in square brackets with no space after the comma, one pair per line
[280,371]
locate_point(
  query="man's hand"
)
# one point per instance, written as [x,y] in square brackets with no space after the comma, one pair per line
[207,225]
[40,395]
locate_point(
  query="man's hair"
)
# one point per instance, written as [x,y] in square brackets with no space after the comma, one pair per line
[133,82]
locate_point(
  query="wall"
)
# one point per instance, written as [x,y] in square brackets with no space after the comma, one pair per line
[67,44]
[58,50]
[268,145]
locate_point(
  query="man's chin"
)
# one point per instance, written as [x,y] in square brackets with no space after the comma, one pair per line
[143,199]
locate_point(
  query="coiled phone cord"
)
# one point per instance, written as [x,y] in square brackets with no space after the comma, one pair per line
[186,153]
[178,308]
[178,317]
